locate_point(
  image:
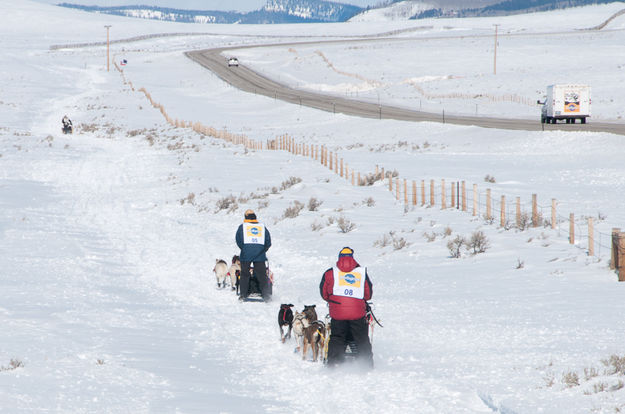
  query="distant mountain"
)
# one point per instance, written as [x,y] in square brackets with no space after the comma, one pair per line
[422,9]
[275,11]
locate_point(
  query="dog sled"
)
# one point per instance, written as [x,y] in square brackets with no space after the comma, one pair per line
[254,293]
[351,348]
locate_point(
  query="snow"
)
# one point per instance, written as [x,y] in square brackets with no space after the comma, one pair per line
[109,235]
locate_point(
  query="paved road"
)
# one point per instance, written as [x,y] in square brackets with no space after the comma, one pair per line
[248,80]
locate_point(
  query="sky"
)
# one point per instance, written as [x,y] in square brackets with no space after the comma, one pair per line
[238,5]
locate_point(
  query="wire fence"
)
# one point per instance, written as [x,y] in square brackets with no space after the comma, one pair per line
[504,212]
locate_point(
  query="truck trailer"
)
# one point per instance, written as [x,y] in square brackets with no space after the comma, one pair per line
[568,102]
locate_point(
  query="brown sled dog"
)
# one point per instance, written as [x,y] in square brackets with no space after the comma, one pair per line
[314,332]
[314,336]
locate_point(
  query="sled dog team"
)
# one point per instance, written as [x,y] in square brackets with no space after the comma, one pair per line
[308,330]
[345,286]
[225,273]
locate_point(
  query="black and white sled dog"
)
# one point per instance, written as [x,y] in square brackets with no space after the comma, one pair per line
[285,320]
[221,270]
[235,273]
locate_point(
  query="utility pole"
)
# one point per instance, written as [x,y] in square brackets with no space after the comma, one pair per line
[495,61]
[108,48]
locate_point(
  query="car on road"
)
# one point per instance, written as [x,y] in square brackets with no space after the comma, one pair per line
[233,61]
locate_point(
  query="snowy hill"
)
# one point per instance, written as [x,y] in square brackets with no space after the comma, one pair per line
[109,236]
[275,11]
[423,9]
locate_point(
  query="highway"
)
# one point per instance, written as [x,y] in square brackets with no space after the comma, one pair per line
[248,80]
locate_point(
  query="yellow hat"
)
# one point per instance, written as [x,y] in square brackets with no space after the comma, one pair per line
[346,251]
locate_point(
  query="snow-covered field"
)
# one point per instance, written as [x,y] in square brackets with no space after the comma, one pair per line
[108,236]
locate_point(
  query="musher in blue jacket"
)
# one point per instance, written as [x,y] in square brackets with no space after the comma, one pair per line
[254,240]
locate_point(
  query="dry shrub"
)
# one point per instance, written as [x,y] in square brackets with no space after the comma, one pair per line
[290,183]
[226,203]
[370,179]
[614,365]
[88,127]
[390,238]
[399,243]
[293,210]
[384,241]
[135,132]
[316,226]
[345,225]
[369,202]
[489,178]
[430,237]
[525,221]
[314,204]
[570,379]
[13,364]
[455,246]
[590,373]
[478,243]
[189,199]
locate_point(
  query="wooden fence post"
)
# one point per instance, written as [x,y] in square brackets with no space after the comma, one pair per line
[474,199]
[453,195]
[443,201]
[518,212]
[422,192]
[390,183]
[397,189]
[353,177]
[414,193]
[405,192]
[489,211]
[614,250]
[336,163]
[432,193]
[554,217]
[502,220]
[464,196]
[359,179]
[591,238]
[341,167]
[621,257]
[534,211]
[572,229]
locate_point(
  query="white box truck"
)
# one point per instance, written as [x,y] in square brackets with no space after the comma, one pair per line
[568,102]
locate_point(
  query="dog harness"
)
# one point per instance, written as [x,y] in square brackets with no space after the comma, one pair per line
[349,284]
[253,233]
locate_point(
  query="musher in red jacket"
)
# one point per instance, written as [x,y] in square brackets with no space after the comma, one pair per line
[347,288]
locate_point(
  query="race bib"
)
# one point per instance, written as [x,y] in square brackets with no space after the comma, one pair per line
[253,233]
[349,284]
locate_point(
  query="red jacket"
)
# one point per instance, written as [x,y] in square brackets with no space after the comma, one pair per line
[342,307]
